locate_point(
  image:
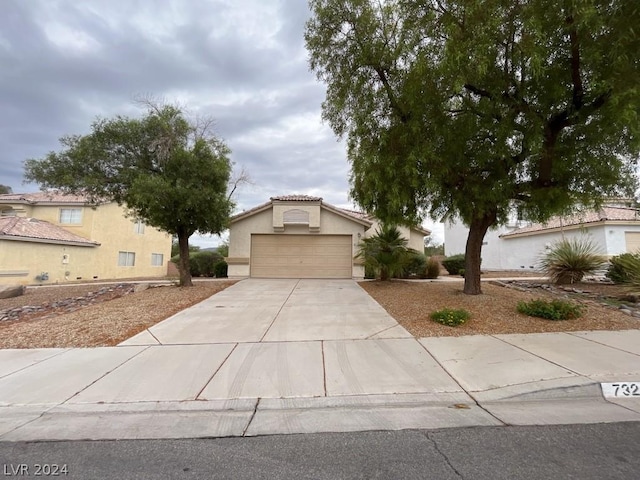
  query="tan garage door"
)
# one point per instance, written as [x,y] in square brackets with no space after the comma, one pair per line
[301,256]
[633,241]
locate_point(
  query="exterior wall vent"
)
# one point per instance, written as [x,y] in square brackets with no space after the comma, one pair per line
[296,216]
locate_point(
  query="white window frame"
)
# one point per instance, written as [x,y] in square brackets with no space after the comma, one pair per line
[70,216]
[154,259]
[126,259]
[138,227]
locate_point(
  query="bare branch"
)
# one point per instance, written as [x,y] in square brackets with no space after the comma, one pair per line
[239,179]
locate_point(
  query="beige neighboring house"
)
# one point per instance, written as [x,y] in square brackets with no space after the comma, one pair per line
[300,236]
[49,238]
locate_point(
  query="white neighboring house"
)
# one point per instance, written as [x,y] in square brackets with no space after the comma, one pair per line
[518,246]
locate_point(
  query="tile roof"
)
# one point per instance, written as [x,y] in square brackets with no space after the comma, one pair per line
[359,216]
[43,197]
[296,198]
[606,213]
[15,228]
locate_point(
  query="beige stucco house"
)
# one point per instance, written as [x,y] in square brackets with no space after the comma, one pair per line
[48,238]
[300,236]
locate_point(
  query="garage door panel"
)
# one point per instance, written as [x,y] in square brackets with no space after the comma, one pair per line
[301,256]
[633,241]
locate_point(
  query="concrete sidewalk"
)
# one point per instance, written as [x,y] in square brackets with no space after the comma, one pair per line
[302,356]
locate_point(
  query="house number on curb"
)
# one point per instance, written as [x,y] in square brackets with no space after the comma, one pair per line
[621,389]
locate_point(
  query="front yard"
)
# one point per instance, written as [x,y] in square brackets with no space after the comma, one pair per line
[493,312]
[109,321]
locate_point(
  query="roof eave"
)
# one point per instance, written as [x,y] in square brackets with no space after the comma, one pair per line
[17,238]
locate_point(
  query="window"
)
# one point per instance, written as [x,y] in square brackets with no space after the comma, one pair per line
[126,259]
[157,259]
[138,227]
[71,216]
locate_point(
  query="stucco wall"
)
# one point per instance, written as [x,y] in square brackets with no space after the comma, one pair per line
[416,239]
[22,262]
[105,224]
[523,252]
[263,222]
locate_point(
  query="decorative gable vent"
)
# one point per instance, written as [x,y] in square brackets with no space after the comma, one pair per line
[296,216]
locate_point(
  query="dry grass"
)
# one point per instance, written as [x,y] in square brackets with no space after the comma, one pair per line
[493,312]
[106,323]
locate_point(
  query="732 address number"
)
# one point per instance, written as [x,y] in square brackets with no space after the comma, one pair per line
[621,389]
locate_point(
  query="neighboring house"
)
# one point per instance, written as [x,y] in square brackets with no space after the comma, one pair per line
[299,236]
[50,238]
[614,229]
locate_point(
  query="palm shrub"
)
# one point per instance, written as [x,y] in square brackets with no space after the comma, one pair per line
[385,253]
[568,261]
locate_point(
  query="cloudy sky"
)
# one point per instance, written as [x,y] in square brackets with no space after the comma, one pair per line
[243,62]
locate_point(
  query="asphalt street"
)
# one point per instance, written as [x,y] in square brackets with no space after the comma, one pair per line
[596,451]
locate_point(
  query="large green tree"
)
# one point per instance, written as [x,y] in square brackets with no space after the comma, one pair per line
[474,108]
[167,171]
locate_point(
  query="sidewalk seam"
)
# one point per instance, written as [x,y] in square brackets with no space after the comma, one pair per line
[278,313]
[469,394]
[253,415]
[215,372]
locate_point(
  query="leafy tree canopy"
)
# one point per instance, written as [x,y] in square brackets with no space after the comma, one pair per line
[471,108]
[5,189]
[168,172]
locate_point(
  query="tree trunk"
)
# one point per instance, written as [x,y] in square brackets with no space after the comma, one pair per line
[473,251]
[183,264]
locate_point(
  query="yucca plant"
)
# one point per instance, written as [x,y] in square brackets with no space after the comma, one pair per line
[569,261]
[628,265]
[386,253]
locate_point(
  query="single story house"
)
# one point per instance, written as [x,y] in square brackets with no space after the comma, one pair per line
[301,236]
[614,229]
[47,237]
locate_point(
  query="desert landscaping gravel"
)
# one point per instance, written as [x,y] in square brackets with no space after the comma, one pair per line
[109,321]
[105,323]
[493,312]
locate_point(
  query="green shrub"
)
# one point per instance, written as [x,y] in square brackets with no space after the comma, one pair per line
[202,263]
[433,268]
[369,272]
[415,265]
[450,317]
[569,261]
[461,272]
[551,310]
[624,268]
[385,253]
[220,269]
[454,264]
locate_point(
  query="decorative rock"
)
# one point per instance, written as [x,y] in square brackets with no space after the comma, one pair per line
[9,291]
[140,287]
[67,305]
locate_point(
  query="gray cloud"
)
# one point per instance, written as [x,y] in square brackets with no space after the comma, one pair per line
[64,63]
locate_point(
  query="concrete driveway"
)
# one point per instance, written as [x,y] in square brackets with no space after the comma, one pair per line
[301,356]
[277,311]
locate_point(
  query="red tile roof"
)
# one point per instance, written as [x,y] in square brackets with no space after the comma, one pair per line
[17,228]
[296,198]
[43,197]
[607,213]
